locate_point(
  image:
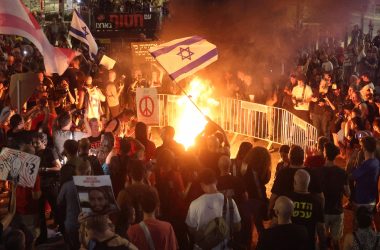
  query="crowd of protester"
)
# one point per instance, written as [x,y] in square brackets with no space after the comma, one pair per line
[334,88]
[128,6]
[84,123]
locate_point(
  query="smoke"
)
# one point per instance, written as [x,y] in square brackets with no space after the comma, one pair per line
[254,35]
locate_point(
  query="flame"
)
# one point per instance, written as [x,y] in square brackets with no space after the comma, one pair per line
[190,122]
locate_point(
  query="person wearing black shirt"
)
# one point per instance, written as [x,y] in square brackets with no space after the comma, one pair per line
[322,109]
[210,155]
[71,74]
[93,125]
[49,173]
[308,210]
[256,174]
[287,93]
[17,135]
[233,187]
[168,142]
[376,40]
[284,235]
[283,184]
[83,152]
[229,185]
[334,184]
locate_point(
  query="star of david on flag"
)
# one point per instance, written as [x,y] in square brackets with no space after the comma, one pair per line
[80,31]
[85,31]
[185,53]
[185,56]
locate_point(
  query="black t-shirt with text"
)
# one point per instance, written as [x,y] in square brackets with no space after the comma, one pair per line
[284,237]
[283,184]
[95,141]
[333,180]
[308,211]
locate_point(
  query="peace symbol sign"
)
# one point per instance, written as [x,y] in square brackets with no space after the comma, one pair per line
[146,106]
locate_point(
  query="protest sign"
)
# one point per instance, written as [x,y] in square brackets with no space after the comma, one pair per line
[18,166]
[147,106]
[95,194]
[107,62]
[140,52]
[21,88]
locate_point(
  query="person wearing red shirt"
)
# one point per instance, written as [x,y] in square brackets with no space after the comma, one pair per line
[317,159]
[27,202]
[27,205]
[152,232]
[44,120]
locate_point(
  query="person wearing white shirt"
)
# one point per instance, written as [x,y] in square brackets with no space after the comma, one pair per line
[93,98]
[301,95]
[210,206]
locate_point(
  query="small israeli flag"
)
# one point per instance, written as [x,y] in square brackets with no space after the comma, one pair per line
[80,31]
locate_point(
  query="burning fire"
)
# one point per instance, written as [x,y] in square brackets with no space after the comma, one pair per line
[190,122]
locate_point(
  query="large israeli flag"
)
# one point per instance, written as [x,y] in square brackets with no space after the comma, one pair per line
[183,57]
[80,31]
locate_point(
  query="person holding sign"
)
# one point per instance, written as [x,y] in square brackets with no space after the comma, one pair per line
[68,201]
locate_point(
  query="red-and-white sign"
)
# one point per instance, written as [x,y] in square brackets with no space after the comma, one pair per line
[147,106]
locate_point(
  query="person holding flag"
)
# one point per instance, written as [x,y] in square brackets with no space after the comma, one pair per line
[16,19]
[80,31]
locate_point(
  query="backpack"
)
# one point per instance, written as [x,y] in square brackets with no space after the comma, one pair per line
[216,231]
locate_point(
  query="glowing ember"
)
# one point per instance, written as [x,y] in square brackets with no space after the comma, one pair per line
[190,122]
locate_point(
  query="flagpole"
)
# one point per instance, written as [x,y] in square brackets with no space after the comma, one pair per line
[184,91]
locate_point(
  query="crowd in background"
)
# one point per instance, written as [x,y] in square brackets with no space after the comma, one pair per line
[128,6]
[84,123]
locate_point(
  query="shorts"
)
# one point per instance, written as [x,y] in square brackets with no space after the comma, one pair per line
[334,224]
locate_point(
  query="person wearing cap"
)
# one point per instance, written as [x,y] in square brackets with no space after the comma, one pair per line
[337,99]
[301,96]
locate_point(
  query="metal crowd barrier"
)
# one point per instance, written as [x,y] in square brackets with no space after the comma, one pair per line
[272,124]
